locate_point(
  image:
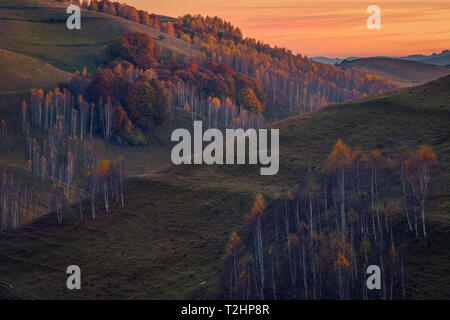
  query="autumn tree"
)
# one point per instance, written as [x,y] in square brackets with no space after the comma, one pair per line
[425,160]
[344,257]
[254,221]
[339,161]
[104,172]
[167,27]
[135,47]
[248,100]
[403,156]
[232,264]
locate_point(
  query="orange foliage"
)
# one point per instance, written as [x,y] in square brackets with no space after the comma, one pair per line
[233,243]
[340,157]
[257,209]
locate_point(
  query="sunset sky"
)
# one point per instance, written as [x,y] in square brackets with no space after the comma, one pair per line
[334,28]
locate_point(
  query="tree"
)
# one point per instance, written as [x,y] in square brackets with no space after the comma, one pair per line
[92,186]
[104,170]
[339,161]
[403,156]
[232,256]
[425,160]
[254,220]
[135,47]
[344,258]
[121,174]
[374,159]
[150,106]
[160,103]
[93,6]
[248,100]
[167,27]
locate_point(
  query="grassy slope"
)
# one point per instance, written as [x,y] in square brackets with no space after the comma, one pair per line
[38,28]
[36,47]
[20,73]
[168,240]
[403,72]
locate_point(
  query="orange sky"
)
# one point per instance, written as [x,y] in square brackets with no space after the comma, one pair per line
[334,28]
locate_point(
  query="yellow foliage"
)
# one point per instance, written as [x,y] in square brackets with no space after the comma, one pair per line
[233,243]
[340,157]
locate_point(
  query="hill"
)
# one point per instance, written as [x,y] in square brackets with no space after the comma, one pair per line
[326,60]
[20,73]
[37,28]
[37,50]
[403,72]
[169,239]
[439,59]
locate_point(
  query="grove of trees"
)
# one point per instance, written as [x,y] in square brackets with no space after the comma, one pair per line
[317,240]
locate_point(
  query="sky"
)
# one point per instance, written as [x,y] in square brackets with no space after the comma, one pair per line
[333,28]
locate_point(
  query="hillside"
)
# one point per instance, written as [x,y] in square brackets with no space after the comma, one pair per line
[21,72]
[403,72]
[37,28]
[169,239]
[37,50]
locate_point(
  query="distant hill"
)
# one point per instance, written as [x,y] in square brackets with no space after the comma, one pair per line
[333,61]
[439,59]
[403,72]
[326,60]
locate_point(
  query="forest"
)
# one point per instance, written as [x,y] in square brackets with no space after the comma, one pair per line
[316,241]
[292,83]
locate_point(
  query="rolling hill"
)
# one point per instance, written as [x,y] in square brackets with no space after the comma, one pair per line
[167,242]
[439,59]
[24,23]
[403,72]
